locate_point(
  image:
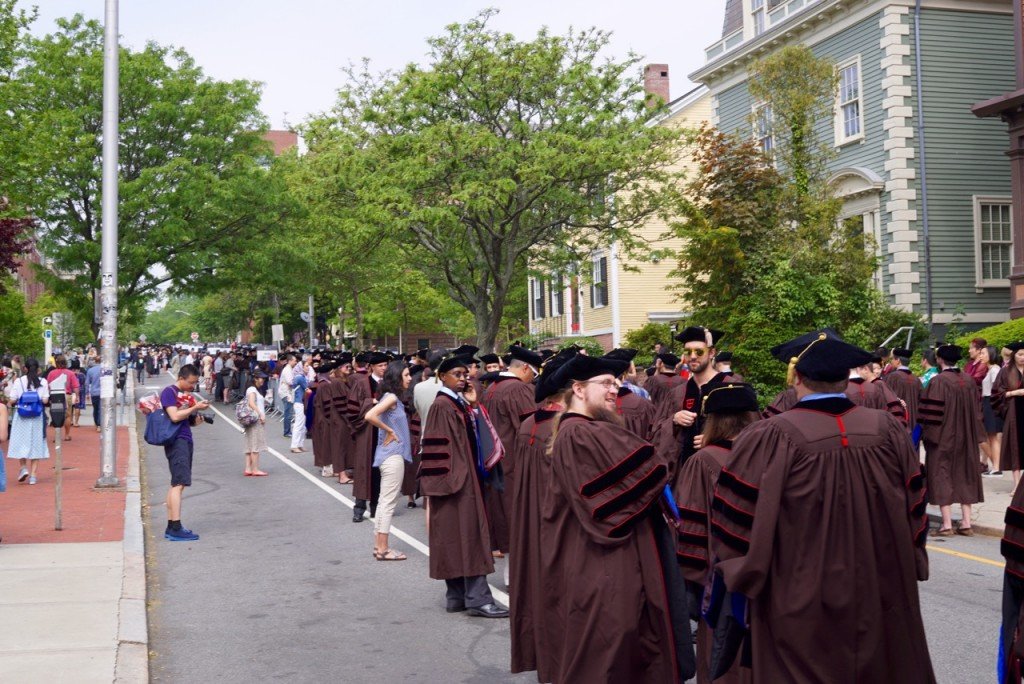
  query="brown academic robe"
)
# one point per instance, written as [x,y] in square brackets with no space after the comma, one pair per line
[905,385]
[951,430]
[361,393]
[536,630]
[819,518]
[321,425]
[694,491]
[1011,409]
[1012,549]
[689,396]
[332,435]
[876,395]
[618,594]
[508,401]
[785,400]
[637,413]
[410,483]
[660,385]
[460,545]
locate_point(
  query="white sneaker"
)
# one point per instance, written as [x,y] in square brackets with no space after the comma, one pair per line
[327,471]
[22,474]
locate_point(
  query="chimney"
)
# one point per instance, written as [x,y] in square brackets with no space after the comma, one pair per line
[656,83]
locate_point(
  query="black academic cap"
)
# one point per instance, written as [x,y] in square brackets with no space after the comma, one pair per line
[1015,346]
[344,357]
[950,353]
[783,352]
[545,384]
[361,357]
[729,397]
[452,361]
[696,333]
[328,366]
[546,354]
[465,350]
[875,358]
[436,358]
[489,358]
[422,354]
[523,354]
[723,357]
[488,378]
[416,368]
[582,367]
[824,358]
[670,360]
[650,371]
[507,359]
[626,355]
[901,353]
[373,358]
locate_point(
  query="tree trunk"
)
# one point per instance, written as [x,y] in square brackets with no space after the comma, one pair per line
[358,308]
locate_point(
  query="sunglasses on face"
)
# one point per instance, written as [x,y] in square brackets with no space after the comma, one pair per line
[699,353]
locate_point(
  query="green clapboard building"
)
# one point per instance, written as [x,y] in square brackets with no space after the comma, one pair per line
[925,177]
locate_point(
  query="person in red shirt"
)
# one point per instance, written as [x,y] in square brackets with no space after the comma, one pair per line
[977,367]
[62,379]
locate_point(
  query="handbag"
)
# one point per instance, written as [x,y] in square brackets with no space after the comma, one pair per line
[244,413]
[160,429]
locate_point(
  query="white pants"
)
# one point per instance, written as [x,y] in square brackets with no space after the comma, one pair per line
[392,472]
[298,425]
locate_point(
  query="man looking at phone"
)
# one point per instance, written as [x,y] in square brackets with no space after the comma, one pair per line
[183,409]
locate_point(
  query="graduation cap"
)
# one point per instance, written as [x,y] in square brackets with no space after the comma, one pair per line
[530,358]
[545,384]
[489,358]
[546,354]
[465,350]
[669,359]
[696,333]
[723,357]
[416,368]
[781,351]
[901,353]
[361,357]
[626,355]
[452,361]
[506,359]
[650,371]
[344,357]
[728,397]
[488,378]
[582,367]
[422,354]
[1015,346]
[822,358]
[373,358]
[950,353]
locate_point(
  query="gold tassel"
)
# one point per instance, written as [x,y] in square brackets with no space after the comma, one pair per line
[791,371]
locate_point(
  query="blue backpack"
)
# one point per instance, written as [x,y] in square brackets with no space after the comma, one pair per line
[29,403]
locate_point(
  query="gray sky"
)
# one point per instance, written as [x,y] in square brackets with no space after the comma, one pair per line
[296,48]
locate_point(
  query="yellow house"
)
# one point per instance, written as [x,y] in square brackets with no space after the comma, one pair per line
[617,296]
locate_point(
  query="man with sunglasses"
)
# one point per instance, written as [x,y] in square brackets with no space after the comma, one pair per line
[451,473]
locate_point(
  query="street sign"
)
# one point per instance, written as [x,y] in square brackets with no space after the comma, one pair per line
[48,334]
[195,337]
[277,333]
[142,338]
[304,316]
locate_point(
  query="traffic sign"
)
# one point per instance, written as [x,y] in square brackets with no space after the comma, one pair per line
[48,334]
[195,337]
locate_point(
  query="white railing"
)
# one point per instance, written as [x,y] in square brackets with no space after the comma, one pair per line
[726,44]
[775,17]
[786,10]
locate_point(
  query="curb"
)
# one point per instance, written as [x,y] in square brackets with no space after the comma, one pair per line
[133,627]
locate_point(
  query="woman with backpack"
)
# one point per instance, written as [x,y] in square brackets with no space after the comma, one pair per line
[255,437]
[27,396]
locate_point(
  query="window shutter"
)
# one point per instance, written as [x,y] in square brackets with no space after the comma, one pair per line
[604,280]
[540,299]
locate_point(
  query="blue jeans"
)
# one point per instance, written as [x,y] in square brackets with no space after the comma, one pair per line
[289,413]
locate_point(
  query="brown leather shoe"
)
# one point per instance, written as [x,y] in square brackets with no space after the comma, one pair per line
[965,531]
[948,532]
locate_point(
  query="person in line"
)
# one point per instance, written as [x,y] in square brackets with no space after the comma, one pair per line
[285,392]
[976,368]
[904,384]
[92,386]
[628,622]
[819,519]
[664,378]
[992,446]
[300,390]
[3,438]
[364,386]
[930,366]
[62,380]
[255,434]
[952,433]
[638,414]
[392,454]
[451,470]
[1008,402]
[182,408]
[728,407]
[28,439]
[79,406]
[723,362]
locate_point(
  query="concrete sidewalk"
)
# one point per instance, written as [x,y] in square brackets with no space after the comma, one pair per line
[73,603]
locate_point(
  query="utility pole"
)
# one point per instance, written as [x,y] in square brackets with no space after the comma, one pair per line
[312,324]
[108,264]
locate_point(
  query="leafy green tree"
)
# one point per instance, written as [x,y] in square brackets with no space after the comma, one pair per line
[18,335]
[499,148]
[194,181]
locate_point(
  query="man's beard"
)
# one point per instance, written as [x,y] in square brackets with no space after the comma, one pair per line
[606,415]
[700,366]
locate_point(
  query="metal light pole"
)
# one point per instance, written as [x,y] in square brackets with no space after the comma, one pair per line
[108,265]
[312,324]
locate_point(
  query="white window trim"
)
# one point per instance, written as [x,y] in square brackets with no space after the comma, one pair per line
[763,10]
[754,109]
[595,259]
[977,200]
[556,296]
[837,119]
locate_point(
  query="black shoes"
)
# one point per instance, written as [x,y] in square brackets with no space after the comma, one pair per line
[358,517]
[455,607]
[489,610]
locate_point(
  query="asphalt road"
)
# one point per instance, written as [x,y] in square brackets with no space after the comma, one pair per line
[283,586]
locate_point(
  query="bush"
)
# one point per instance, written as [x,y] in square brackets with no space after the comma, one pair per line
[644,338]
[588,344]
[997,335]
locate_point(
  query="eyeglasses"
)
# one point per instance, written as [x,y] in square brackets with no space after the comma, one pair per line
[695,352]
[607,384]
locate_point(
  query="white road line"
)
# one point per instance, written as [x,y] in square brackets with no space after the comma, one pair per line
[407,538]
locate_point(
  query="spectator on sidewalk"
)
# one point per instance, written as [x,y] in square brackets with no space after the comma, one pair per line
[990,448]
[300,389]
[181,407]
[62,381]
[285,391]
[28,440]
[92,386]
[255,435]
[79,406]
[392,453]
[976,367]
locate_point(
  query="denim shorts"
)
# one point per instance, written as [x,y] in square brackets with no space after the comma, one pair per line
[179,459]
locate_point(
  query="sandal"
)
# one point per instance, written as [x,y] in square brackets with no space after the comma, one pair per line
[948,532]
[390,555]
[965,531]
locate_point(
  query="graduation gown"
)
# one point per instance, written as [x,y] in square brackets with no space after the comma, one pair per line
[622,613]
[694,491]
[689,396]
[332,435]
[905,385]
[876,395]
[785,400]
[508,401]
[1012,549]
[460,545]
[361,394]
[1011,409]
[535,625]
[637,413]
[410,485]
[660,385]
[821,518]
[951,431]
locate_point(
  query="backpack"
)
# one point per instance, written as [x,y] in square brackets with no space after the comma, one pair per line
[29,403]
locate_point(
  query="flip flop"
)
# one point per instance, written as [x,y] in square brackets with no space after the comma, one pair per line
[248,474]
[260,473]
